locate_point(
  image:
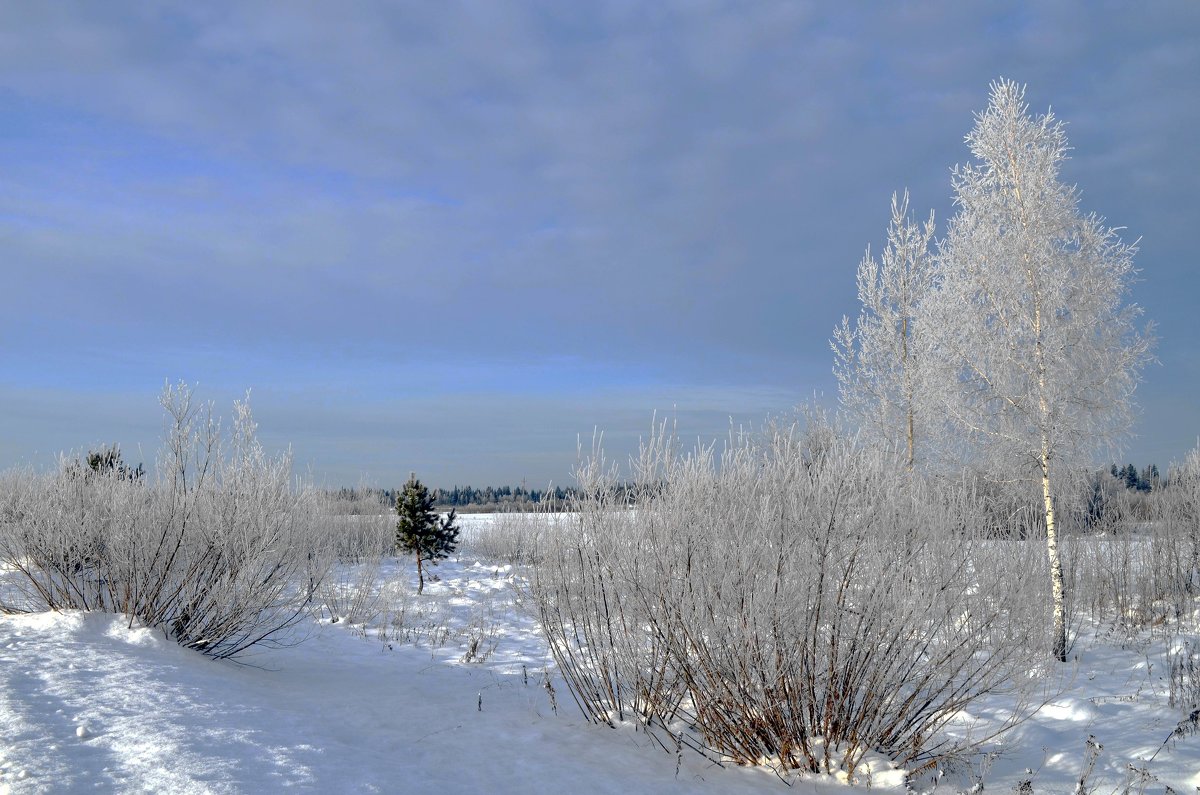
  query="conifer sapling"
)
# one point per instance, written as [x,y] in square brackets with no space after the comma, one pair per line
[419,529]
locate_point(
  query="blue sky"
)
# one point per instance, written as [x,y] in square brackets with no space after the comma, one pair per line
[454,237]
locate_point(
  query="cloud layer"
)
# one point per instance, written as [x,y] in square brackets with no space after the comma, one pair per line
[528,205]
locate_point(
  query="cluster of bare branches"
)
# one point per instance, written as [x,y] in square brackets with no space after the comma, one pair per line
[795,600]
[220,550]
[1136,565]
[511,537]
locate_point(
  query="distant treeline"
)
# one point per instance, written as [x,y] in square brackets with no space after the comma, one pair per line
[489,498]
[499,498]
[467,496]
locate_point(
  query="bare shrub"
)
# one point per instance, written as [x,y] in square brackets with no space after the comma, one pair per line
[352,592]
[1177,546]
[510,537]
[220,551]
[1136,564]
[361,525]
[794,600]
[1106,564]
[1183,677]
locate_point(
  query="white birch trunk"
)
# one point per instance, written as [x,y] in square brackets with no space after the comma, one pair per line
[1057,588]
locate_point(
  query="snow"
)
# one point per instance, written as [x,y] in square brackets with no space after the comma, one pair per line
[89,704]
[339,712]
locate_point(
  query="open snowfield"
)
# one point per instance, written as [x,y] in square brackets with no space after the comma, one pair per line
[453,697]
[339,712]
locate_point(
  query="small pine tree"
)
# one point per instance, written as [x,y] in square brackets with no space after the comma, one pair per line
[419,529]
[108,461]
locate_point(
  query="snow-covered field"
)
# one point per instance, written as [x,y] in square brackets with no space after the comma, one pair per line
[459,695]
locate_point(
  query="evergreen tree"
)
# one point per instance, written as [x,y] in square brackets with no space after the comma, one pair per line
[1149,478]
[109,460]
[419,529]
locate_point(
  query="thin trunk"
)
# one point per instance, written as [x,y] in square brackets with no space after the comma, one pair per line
[908,390]
[910,437]
[1057,589]
[420,575]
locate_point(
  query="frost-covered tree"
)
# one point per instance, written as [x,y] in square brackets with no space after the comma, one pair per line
[419,529]
[875,361]
[1036,353]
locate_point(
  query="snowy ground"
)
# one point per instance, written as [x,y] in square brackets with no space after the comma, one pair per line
[89,705]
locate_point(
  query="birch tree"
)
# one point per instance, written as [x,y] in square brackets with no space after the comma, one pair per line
[1037,353]
[875,361]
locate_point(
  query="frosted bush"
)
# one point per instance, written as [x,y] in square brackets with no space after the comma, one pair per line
[362,527]
[219,550]
[792,601]
[507,537]
[1136,564]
